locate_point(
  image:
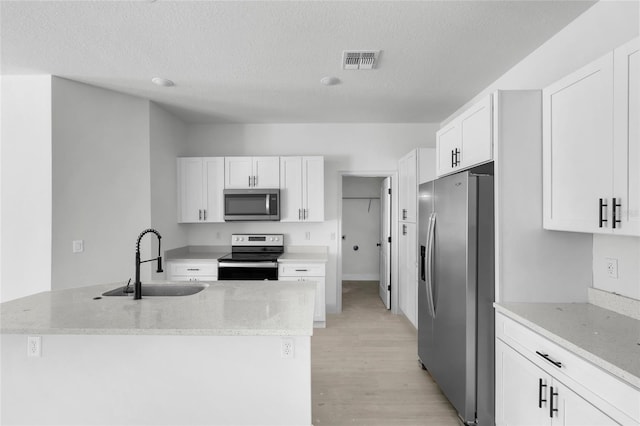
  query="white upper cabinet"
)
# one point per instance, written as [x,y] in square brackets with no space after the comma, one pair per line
[590,147]
[200,188]
[467,140]
[302,189]
[626,136]
[448,144]
[252,172]
[476,134]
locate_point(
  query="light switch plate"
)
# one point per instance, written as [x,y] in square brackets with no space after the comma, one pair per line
[78,246]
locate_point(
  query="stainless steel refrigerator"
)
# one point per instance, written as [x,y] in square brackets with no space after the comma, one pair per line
[456,290]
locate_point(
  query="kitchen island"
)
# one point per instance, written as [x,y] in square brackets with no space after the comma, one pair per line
[216,357]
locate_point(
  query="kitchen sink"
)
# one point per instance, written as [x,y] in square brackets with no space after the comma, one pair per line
[158,290]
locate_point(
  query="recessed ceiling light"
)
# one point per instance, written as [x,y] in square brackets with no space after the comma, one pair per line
[162,82]
[330,81]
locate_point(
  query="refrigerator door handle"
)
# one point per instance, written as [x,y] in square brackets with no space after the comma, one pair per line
[423,256]
[429,274]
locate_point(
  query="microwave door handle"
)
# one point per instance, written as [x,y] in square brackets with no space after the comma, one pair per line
[268,204]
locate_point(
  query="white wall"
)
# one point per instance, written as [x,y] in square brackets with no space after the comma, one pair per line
[361,227]
[602,28]
[346,147]
[627,251]
[168,135]
[25,181]
[101,183]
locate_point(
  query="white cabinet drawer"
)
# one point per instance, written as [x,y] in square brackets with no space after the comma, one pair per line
[301,270]
[194,269]
[198,278]
[616,398]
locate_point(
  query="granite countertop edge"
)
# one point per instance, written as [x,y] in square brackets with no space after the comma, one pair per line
[571,346]
[159,332]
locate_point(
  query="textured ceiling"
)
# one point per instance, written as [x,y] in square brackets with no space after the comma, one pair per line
[253,62]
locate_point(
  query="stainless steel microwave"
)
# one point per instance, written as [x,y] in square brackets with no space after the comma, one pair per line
[251,204]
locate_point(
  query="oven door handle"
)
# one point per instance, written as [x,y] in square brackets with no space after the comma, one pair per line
[247,265]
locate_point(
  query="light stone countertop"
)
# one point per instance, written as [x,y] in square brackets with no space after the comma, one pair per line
[288,257]
[224,308]
[306,254]
[605,338]
[189,253]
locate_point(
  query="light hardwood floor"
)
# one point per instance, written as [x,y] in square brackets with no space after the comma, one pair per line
[365,369]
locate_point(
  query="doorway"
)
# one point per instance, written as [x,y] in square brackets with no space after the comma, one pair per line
[366,252]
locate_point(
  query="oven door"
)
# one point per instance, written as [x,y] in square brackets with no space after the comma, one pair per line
[251,204]
[247,271]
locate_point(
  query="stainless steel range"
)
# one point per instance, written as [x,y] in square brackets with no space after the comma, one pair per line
[252,257]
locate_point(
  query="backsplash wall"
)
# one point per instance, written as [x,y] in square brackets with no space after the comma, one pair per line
[627,251]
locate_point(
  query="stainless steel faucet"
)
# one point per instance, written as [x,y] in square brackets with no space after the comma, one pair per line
[137,285]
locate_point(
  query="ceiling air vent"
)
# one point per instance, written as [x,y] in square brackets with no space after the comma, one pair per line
[359,59]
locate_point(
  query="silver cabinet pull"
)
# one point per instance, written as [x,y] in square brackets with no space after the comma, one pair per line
[302,270]
[249,180]
[255,181]
[200,214]
[299,214]
[404,214]
[193,269]
[305,214]
[205,214]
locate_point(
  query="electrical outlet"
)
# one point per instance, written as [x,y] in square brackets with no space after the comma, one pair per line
[612,267]
[286,348]
[34,346]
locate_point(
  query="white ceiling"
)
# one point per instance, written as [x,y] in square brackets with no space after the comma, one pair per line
[257,62]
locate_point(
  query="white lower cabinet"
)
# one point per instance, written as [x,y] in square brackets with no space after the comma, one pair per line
[526,395]
[192,271]
[313,272]
[539,383]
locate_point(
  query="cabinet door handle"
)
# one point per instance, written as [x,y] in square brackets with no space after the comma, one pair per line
[193,269]
[404,229]
[255,180]
[249,177]
[404,214]
[540,386]
[548,358]
[299,214]
[457,153]
[204,215]
[453,159]
[616,213]
[305,214]
[551,409]
[200,214]
[302,270]
[602,218]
